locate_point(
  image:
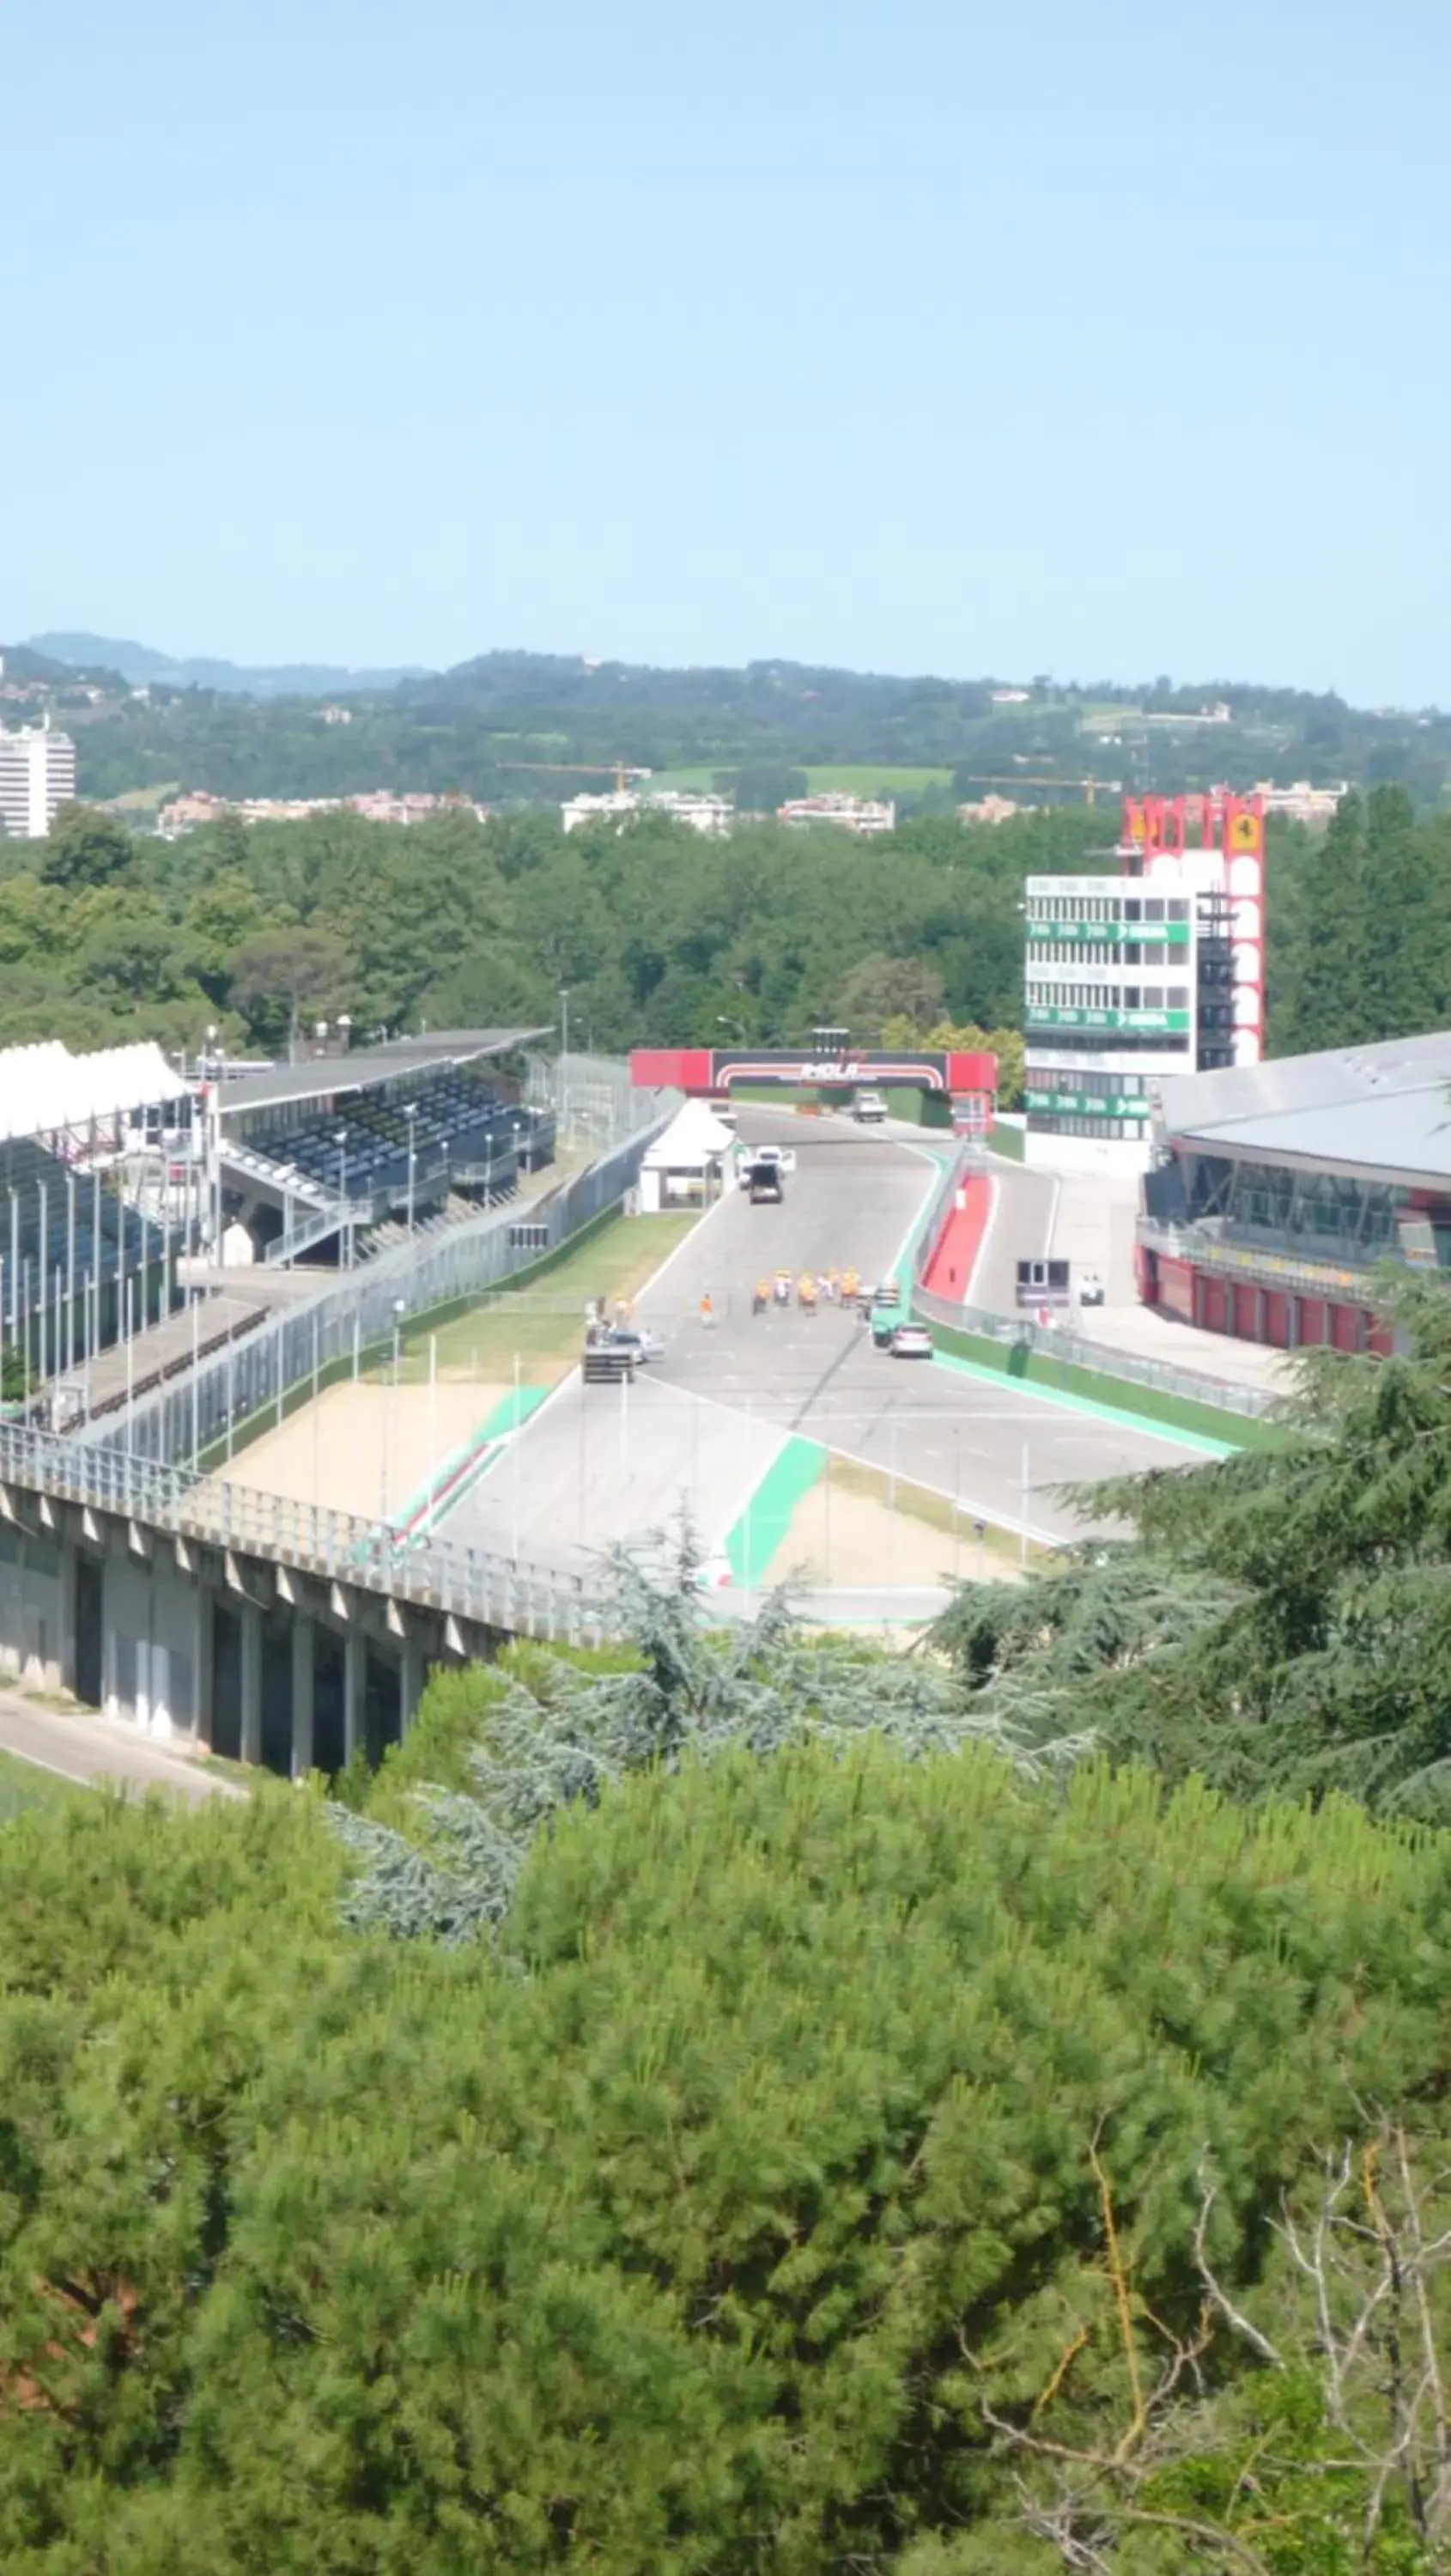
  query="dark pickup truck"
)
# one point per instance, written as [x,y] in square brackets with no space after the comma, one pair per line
[764,1184]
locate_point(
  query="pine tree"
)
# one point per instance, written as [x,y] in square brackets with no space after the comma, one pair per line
[1402,977]
[561,1730]
[1321,1002]
[1283,1621]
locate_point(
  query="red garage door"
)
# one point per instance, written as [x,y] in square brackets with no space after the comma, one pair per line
[1247,1314]
[1314,1322]
[1277,1318]
[1176,1287]
[1216,1306]
[1345,1327]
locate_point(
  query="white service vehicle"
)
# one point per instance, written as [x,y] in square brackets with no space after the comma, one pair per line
[749,1158]
[869,1109]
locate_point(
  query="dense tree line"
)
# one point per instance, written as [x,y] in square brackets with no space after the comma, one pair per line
[827,2154]
[1359,927]
[658,935]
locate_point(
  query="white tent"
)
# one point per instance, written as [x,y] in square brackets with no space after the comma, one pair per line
[680,1164]
[44,1088]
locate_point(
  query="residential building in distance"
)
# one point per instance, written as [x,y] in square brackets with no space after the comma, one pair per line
[377,805]
[711,815]
[989,809]
[1302,803]
[1136,977]
[37,777]
[847,813]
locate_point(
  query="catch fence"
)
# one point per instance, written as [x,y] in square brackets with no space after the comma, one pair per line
[357,1312]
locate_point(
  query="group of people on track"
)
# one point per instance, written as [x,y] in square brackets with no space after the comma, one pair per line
[811,1290]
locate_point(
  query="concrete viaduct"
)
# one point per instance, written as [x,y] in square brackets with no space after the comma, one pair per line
[240,1622]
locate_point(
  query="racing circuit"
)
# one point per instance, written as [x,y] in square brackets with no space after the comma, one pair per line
[732,1420]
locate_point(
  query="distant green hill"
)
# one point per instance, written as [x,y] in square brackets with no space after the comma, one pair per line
[140,664]
[512,727]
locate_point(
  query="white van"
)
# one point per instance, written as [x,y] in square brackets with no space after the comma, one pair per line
[869,1109]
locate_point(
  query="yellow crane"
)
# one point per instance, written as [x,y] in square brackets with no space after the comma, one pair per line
[1089,788]
[580,769]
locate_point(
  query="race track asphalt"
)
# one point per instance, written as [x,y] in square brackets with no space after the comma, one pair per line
[704,1424]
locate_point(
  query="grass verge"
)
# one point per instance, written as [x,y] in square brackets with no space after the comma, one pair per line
[24,1785]
[552,1265]
[483,1342]
[939,1512]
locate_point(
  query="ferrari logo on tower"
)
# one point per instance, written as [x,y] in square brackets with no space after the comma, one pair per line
[1244,831]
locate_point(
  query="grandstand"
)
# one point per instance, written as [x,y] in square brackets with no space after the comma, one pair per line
[316,1157]
[90,1216]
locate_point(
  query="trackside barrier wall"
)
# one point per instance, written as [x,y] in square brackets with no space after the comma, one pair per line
[359,1312]
[941,1206]
[1044,1356]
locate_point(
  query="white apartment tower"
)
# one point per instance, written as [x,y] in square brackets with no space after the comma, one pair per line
[37,776]
[1135,977]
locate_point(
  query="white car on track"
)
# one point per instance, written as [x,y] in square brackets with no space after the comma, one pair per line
[911,1342]
[641,1345]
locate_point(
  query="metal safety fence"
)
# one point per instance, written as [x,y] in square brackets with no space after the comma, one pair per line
[1056,1342]
[359,1311]
[594,1101]
[477,1584]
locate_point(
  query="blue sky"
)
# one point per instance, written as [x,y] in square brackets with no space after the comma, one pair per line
[931,336]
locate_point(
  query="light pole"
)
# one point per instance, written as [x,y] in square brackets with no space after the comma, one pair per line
[564,1061]
[411,1114]
[345,1229]
[390,1420]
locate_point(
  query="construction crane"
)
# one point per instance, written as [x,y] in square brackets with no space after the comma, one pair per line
[1089,788]
[615,769]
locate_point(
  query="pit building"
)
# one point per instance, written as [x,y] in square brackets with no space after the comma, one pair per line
[1279,1191]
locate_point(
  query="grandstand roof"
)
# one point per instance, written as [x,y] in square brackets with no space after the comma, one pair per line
[364,1067]
[44,1087]
[1371,1112]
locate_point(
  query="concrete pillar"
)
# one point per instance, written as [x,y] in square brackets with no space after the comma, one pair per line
[66,1642]
[251,1624]
[355,1684]
[302,1694]
[410,1679]
[204,1663]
